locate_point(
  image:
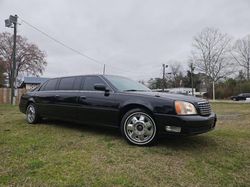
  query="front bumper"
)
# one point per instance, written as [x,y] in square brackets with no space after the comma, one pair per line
[189,125]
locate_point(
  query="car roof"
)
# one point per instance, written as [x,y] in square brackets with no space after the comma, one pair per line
[100,75]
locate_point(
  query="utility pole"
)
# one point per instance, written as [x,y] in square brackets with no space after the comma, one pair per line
[8,23]
[103,69]
[248,68]
[164,66]
[192,78]
[213,91]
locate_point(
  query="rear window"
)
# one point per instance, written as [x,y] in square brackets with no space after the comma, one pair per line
[51,85]
[66,83]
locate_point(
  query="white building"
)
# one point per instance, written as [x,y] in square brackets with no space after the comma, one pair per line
[181,90]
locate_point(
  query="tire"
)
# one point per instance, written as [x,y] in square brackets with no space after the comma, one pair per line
[138,127]
[32,115]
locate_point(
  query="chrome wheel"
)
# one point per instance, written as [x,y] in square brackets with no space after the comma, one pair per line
[31,114]
[139,128]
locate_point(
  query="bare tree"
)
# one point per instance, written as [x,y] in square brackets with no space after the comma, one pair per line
[2,77]
[29,58]
[241,54]
[211,55]
[176,73]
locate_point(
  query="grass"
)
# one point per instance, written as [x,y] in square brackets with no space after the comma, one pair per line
[67,154]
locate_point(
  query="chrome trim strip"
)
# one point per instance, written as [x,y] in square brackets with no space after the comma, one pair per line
[75,91]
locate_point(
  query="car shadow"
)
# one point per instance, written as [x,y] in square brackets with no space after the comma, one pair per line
[172,142]
[93,129]
[202,141]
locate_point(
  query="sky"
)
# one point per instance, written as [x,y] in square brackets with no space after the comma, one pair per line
[133,38]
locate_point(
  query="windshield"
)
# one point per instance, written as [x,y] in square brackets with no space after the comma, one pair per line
[125,84]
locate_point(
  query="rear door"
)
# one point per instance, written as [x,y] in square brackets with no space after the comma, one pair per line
[66,98]
[97,107]
[45,98]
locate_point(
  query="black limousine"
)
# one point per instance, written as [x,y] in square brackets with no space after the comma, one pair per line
[141,115]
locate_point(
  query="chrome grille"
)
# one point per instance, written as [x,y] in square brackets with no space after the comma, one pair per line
[205,108]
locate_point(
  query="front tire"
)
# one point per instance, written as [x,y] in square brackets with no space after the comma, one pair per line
[32,116]
[138,127]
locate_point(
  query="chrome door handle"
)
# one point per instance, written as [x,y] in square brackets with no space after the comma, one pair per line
[82,97]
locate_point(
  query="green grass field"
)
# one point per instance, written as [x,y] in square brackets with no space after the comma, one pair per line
[66,154]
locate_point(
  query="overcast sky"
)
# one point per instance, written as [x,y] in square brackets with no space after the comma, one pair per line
[132,37]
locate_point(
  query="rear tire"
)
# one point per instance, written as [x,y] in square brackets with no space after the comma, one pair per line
[138,127]
[32,115]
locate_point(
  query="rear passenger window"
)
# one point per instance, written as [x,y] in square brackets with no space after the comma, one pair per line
[91,81]
[51,85]
[77,83]
[66,83]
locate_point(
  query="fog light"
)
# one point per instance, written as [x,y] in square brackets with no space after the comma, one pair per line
[173,129]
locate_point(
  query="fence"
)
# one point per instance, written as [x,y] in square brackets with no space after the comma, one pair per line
[5,95]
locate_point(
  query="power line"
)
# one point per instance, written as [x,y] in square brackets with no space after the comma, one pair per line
[70,48]
[61,43]
[77,51]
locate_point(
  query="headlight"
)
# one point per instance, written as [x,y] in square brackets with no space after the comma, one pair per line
[184,108]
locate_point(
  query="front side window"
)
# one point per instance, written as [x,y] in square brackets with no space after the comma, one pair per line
[89,83]
[125,84]
[66,83]
[51,85]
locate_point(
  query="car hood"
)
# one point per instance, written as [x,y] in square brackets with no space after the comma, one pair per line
[170,96]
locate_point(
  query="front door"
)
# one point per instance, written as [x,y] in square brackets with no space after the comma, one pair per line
[97,107]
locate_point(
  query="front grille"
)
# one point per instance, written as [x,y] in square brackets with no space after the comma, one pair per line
[205,108]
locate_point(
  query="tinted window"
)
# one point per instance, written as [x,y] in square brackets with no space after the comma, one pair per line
[51,85]
[43,86]
[66,83]
[125,84]
[91,81]
[247,94]
[77,83]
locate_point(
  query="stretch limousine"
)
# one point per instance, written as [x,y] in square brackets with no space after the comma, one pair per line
[141,115]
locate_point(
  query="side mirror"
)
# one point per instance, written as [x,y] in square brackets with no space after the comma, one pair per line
[100,87]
